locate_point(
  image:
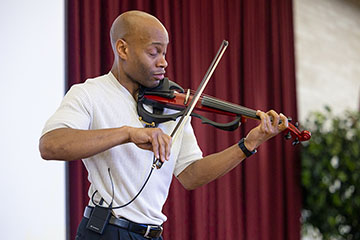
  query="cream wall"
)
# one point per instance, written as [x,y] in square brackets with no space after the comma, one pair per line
[32,205]
[327,42]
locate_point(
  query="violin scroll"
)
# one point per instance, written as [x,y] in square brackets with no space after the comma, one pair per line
[300,135]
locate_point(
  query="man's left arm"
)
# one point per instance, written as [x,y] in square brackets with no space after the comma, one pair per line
[218,164]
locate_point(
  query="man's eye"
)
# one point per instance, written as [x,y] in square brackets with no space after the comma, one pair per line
[153,54]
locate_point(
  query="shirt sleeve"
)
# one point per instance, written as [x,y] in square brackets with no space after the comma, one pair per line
[73,112]
[189,151]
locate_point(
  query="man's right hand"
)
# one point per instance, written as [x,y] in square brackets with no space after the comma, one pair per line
[153,139]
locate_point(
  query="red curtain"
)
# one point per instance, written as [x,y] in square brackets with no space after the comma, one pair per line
[260,199]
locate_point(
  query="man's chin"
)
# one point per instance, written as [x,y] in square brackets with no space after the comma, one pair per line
[152,84]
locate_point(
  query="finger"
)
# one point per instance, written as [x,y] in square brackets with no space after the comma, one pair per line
[155,145]
[165,146]
[284,122]
[266,121]
[168,146]
[162,147]
[263,117]
[274,117]
[145,146]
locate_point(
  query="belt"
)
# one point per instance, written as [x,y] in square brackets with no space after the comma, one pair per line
[148,231]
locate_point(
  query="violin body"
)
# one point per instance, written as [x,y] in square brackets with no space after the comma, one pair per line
[170,95]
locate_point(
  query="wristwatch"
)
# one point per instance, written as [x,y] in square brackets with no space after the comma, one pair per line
[243,148]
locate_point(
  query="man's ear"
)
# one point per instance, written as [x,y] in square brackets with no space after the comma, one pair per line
[122,48]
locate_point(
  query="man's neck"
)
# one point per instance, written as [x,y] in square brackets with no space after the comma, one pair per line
[132,87]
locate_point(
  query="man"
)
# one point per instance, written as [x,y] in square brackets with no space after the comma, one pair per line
[98,123]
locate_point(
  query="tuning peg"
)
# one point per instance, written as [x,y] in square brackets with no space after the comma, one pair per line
[289,119]
[296,125]
[288,135]
[295,142]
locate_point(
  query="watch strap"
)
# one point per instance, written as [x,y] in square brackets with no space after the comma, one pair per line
[243,148]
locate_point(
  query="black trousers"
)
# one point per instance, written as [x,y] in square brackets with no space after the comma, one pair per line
[111,232]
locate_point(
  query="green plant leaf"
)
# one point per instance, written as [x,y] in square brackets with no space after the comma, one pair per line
[330,174]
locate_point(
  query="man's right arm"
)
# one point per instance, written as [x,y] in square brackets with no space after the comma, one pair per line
[69,144]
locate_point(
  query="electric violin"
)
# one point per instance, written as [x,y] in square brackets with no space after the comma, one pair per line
[170,95]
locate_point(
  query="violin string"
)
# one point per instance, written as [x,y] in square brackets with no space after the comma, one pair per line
[234,107]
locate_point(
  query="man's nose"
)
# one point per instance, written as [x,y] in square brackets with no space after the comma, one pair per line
[162,62]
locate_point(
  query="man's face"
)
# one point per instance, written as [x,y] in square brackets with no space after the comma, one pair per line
[146,63]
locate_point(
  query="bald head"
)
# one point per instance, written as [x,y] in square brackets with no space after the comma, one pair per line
[139,42]
[134,26]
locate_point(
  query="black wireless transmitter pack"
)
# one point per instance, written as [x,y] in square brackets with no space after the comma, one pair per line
[99,219]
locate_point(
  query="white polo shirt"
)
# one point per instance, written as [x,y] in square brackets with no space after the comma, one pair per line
[101,103]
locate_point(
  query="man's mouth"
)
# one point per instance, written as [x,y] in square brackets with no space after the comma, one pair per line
[159,76]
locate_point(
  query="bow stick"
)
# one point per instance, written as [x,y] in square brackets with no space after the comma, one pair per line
[181,123]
